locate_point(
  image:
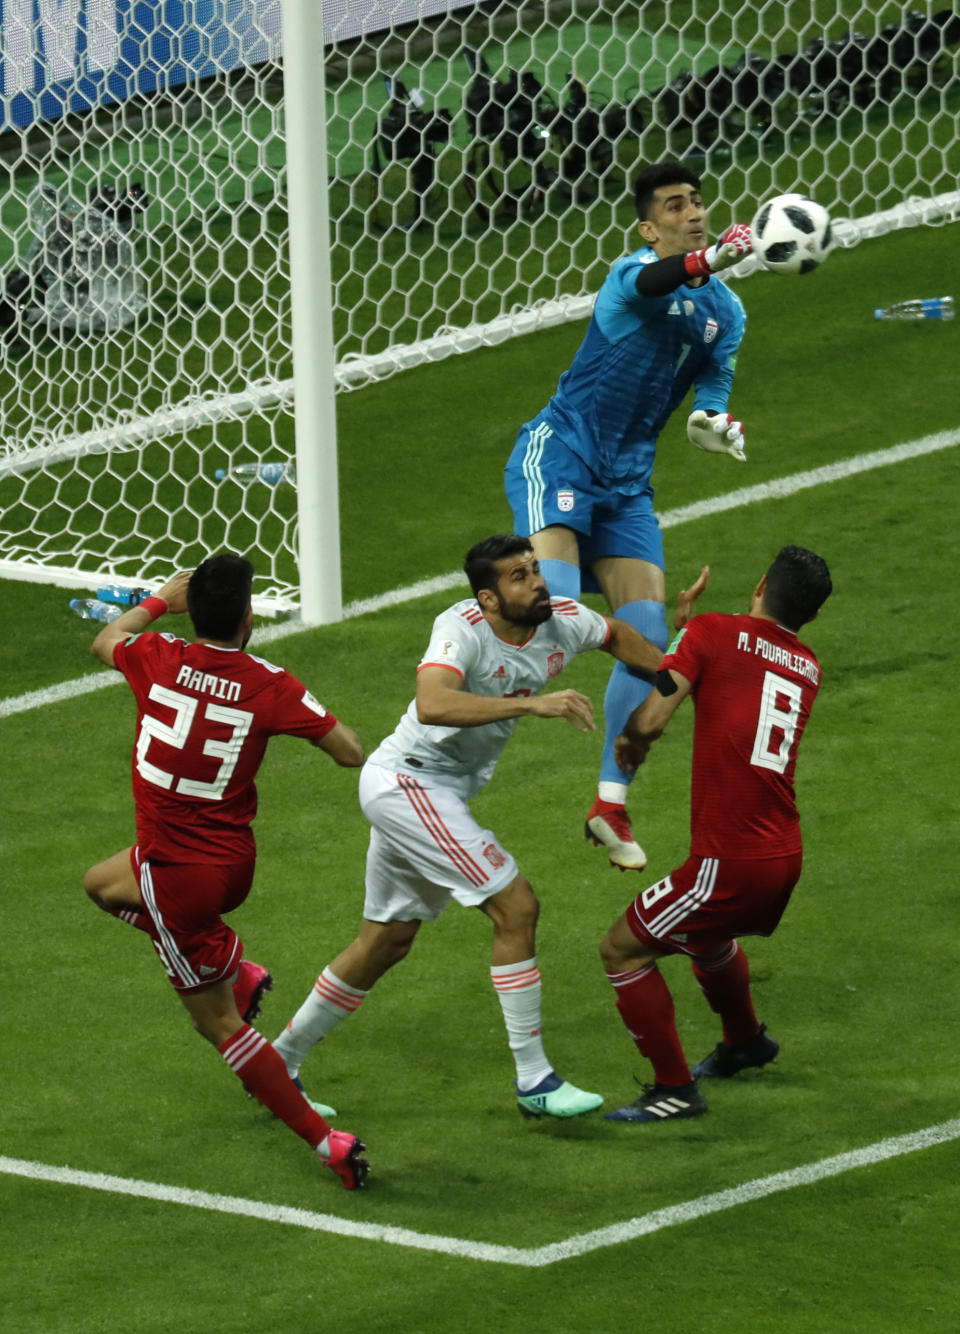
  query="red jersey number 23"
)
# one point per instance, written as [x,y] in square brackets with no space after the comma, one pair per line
[176,734]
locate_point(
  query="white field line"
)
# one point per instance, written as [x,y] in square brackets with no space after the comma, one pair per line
[535,1257]
[701,509]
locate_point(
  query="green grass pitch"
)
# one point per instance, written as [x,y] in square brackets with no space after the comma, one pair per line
[860,984]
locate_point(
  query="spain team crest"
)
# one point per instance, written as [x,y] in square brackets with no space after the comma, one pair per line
[554,665]
[494,856]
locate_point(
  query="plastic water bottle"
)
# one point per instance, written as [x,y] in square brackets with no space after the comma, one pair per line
[270,471]
[130,597]
[92,609]
[920,308]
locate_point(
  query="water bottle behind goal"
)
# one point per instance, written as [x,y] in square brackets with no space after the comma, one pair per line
[919,308]
[130,597]
[92,609]
[272,472]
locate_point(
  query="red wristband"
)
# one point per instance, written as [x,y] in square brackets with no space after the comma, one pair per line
[156,606]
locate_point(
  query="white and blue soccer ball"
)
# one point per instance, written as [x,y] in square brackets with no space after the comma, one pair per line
[791,234]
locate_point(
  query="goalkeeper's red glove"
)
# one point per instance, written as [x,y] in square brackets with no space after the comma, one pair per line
[735,244]
[717,434]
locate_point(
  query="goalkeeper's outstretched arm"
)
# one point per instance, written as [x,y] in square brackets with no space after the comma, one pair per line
[667,274]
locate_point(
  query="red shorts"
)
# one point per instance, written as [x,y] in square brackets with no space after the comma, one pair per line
[709,899]
[184,904]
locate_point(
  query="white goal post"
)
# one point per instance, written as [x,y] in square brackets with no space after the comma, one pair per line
[217,216]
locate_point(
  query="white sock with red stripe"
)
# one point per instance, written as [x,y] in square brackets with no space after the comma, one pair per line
[330,1002]
[252,1059]
[519,990]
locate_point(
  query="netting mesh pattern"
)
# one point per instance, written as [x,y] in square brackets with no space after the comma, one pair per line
[505,146]
[480,161]
[145,310]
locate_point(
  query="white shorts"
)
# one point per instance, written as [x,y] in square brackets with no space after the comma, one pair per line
[425,849]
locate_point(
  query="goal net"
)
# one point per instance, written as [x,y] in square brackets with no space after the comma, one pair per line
[479,159]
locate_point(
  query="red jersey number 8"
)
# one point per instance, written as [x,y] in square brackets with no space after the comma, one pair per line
[779,712]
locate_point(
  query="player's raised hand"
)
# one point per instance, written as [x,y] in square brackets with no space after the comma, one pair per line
[735,244]
[687,597]
[174,591]
[717,433]
[569,704]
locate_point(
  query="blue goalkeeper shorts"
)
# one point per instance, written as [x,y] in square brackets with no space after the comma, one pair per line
[547,483]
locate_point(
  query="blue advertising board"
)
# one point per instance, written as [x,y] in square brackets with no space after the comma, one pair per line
[60,56]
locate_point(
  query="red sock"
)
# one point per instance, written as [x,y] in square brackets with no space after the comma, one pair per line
[726,984]
[646,1007]
[250,1057]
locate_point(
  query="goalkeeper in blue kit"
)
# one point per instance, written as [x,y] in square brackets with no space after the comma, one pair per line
[579,478]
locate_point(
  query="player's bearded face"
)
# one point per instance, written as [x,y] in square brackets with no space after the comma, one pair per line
[534,609]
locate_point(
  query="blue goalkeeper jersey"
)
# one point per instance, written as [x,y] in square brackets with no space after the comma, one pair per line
[636,364]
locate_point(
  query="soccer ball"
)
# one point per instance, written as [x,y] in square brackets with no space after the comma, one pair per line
[791,234]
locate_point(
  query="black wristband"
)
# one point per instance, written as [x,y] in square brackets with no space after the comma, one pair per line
[665,683]
[662,277]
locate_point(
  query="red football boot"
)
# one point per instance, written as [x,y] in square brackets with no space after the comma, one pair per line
[344,1159]
[609,824]
[252,981]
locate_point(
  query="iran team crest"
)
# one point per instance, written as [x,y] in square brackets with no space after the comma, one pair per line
[564,501]
[710,331]
[554,665]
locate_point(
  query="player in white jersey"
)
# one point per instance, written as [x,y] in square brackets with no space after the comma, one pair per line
[487,658]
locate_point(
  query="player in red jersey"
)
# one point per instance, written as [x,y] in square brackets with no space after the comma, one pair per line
[753,684]
[205,712]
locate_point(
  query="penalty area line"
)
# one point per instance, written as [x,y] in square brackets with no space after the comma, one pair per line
[807,1174]
[778,489]
[533,1257]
